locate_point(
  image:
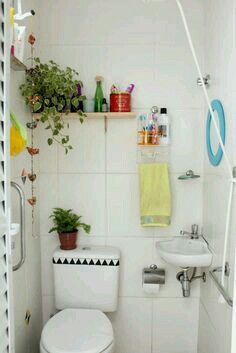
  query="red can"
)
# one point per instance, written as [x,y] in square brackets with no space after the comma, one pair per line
[120,102]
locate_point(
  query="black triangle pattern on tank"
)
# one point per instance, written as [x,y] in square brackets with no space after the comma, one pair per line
[88,262]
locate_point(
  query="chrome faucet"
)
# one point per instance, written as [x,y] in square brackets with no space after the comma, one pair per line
[194,233]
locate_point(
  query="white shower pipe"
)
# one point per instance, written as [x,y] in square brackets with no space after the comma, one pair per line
[232,177]
[19,16]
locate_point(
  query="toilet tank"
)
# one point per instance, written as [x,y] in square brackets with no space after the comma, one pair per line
[87,277]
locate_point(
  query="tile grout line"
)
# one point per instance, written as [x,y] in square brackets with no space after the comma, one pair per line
[106,196]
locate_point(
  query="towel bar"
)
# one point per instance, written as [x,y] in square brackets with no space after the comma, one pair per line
[221,289]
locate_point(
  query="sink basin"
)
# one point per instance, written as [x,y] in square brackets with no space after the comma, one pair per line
[185,252]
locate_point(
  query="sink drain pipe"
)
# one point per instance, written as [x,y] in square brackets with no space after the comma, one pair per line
[185,280]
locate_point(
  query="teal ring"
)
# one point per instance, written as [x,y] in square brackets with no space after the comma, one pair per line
[215,159]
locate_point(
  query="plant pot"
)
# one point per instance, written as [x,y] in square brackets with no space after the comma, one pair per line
[68,240]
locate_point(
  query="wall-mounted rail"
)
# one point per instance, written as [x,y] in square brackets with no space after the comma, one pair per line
[22,225]
[221,289]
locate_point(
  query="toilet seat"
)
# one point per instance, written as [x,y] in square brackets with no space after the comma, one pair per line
[77,331]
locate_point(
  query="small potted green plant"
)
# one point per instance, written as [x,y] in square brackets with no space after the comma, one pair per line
[67,224]
[52,91]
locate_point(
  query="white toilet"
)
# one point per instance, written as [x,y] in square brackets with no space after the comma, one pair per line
[86,284]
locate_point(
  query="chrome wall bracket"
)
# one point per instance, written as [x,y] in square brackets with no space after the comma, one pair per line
[206,81]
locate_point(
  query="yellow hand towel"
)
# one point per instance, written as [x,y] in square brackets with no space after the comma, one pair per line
[155,197]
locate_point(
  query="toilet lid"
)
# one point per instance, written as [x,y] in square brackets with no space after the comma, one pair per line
[77,331]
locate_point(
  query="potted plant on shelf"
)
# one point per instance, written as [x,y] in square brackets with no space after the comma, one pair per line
[52,91]
[67,224]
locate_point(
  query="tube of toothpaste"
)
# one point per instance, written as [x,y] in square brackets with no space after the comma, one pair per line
[130,88]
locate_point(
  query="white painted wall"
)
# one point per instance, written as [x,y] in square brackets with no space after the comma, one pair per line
[215,318]
[127,41]
[26,281]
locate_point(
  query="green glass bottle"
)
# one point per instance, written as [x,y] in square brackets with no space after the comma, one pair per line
[98,97]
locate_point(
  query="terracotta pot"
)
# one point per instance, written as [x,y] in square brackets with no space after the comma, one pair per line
[68,240]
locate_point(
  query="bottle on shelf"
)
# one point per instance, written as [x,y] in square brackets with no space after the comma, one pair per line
[163,128]
[104,105]
[78,95]
[154,112]
[141,130]
[98,99]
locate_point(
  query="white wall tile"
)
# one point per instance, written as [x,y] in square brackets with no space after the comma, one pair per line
[123,206]
[187,140]
[122,146]
[176,78]
[206,331]
[85,194]
[48,190]
[132,325]
[48,246]
[136,253]
[136,68]
[88,153]
[175,324]
[48,307]
[48,154]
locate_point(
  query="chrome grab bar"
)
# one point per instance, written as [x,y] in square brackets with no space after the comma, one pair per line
[219,286]
[22,226]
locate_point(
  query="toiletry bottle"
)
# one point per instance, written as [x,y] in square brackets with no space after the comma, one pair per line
[130,88]
[81,104]
[141,130]
[154,134]
[98,95]
[163,128]
[154,111]
[104,105]
[149,129]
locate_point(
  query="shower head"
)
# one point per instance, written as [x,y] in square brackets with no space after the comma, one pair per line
[189,175]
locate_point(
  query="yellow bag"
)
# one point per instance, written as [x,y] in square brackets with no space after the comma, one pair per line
[18,136]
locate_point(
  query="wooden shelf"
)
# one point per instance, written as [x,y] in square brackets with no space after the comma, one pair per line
[107,115]
[110,115]
[17,65]
[151,145]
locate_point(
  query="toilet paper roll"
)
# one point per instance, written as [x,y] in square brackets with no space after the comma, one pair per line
[151,288]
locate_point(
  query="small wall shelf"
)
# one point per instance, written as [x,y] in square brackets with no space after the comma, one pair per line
[110,115]
[107,115]
[151,145]
[16,64]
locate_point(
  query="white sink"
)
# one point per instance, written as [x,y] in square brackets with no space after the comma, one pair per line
[185,252]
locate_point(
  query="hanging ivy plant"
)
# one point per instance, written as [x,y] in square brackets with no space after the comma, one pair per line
[52,92]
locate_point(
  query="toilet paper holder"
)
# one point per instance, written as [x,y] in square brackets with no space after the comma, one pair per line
[153,275]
